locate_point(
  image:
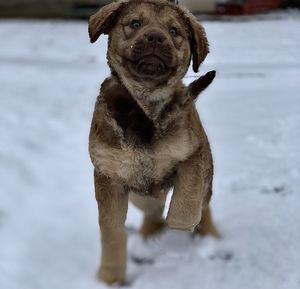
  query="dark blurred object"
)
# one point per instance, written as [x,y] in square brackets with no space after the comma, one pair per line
[291,3]
[200,7]
[50,8]
[85,8]
[242,7]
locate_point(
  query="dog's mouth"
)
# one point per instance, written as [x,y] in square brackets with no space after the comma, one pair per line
[150,65]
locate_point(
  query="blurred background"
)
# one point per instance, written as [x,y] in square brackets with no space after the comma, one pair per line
[50,76]
[84,8]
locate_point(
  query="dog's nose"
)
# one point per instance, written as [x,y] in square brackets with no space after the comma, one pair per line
[155,38]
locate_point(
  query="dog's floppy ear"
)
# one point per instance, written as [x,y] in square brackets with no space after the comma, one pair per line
[102,21]
[199,43]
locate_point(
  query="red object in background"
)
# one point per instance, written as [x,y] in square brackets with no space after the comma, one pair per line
[247,7]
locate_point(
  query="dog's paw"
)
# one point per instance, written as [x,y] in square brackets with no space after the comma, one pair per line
[185,223]
[181,226]
[111,275]
[207,230]
[151,227]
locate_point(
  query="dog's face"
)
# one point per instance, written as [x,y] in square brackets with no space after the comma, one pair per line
[150,41]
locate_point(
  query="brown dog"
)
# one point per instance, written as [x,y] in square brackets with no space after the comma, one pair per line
[146,135]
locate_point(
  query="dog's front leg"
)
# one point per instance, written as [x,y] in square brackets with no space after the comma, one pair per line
[189,194]
[112,205]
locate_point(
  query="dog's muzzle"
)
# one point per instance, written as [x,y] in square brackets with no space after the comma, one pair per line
[150,65]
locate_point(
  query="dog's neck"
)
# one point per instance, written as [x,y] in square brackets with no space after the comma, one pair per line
[152,100]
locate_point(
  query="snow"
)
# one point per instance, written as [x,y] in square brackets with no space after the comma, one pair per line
[49,79]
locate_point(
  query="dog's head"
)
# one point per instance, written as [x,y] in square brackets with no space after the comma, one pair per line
[150,41]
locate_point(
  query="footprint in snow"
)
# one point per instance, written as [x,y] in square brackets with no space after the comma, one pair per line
[225,256]
[276,189]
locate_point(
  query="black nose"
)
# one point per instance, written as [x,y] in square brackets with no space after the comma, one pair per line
[155,37]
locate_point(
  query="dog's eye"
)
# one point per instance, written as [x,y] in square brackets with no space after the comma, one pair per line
[135,24]
[173,31]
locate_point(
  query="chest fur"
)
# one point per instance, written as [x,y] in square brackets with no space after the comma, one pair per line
[140,167]
[144,155]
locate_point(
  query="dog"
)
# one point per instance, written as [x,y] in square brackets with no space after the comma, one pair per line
[146,135]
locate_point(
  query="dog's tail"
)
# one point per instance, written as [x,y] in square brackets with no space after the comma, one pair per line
[190,94]
[198,85]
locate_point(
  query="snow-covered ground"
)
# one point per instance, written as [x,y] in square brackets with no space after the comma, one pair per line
[49,79]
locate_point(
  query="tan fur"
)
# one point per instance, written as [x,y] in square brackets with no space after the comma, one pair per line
[153,208]
[206,226]
[146,135]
